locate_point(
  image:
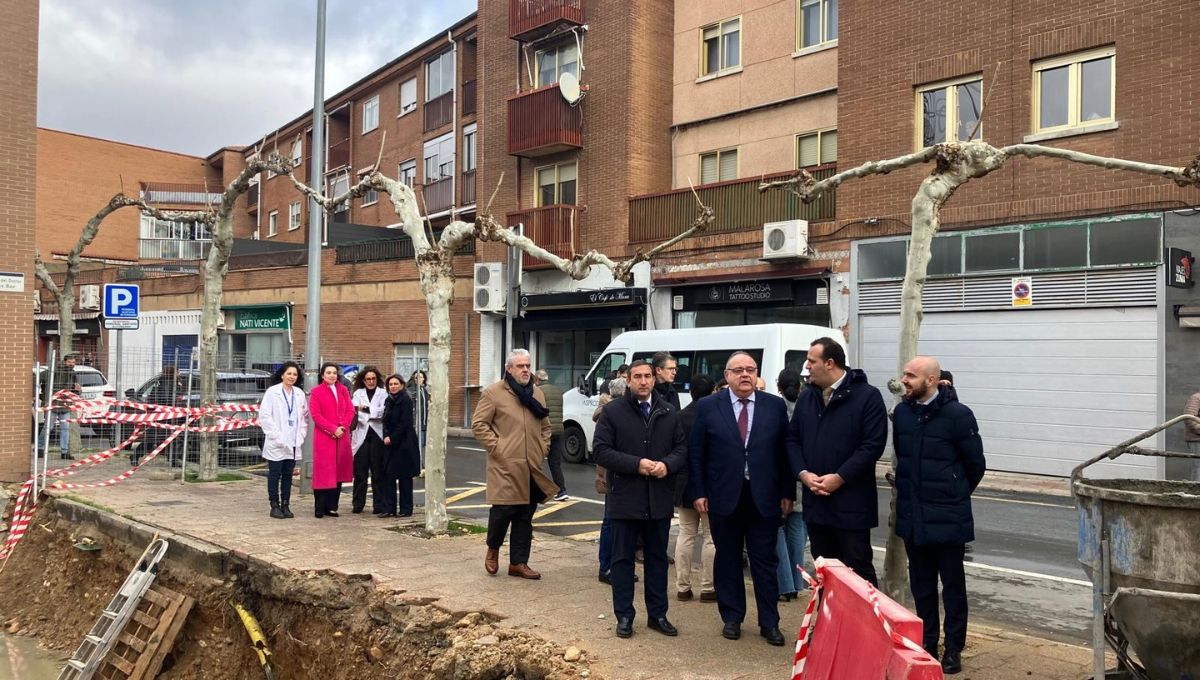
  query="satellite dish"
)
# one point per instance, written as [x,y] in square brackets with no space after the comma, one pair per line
[568,86]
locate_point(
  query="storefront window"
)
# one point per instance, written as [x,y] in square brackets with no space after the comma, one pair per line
[566,355]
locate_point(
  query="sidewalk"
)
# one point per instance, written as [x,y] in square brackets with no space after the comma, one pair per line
[568,606]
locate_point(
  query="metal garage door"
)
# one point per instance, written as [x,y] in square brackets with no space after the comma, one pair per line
[1050,388]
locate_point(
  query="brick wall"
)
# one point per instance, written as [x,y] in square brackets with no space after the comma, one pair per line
[886,49]
[18,165]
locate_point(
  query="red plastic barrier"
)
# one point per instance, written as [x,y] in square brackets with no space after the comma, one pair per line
[849,642]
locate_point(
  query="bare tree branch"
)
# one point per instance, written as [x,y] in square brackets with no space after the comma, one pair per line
[1186,176]
[808,189]
[43,274]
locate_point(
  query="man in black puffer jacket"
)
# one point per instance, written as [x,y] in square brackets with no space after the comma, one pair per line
[939,462]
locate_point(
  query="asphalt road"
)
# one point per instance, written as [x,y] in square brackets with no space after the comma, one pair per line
[1021,574]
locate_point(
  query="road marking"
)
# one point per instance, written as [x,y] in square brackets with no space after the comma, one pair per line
[562,505]
[471,448]
[981,497]
[586,536]
[464,494]
[576,523]
[449,488]
[1015,572]
[479,506]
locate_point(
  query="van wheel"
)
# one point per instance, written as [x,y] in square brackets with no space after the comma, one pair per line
[574,444]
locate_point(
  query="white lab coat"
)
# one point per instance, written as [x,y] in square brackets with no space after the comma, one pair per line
[284,433]
[372,419]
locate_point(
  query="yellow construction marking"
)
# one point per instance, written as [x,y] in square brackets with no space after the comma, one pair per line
[449,488]
[553,508]
[580,523]
[586,536]
[464,494]
[480,506]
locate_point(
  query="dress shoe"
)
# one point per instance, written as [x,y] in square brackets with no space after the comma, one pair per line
[287,511]
[732,630]
[662,625]
[624,627]
[772,635]
[684,595]
[952,662]
[787,597]
[708,596]
[523,571]
[331,513]
[491,561]
[605,577]
[382,515]
[356,511]
[276,512]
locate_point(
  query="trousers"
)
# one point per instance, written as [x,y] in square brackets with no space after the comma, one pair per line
[926,564]
[851,546]
[520,518]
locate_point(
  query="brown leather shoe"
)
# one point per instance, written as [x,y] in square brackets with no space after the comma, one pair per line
[523,571]
[491,561]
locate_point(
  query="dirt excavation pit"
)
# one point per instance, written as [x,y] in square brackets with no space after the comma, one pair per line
[318,624]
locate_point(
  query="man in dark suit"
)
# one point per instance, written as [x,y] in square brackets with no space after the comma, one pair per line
[738,473]
[838,430]
[639,442]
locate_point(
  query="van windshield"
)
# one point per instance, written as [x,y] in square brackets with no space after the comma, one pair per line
[710,362]
[605,368]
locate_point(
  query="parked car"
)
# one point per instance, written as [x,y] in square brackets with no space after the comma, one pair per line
[233,387]
[94,386]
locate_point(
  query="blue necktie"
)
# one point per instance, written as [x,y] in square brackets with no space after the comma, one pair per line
[646,410]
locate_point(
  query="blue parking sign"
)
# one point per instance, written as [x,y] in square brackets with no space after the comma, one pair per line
[121,303]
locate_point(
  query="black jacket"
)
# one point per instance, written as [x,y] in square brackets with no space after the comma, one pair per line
[667,392]
[845,437]
[403,455]
[687,416]
[623,437]
[939,462]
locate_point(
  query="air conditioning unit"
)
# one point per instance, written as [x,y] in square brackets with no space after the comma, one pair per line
[785,240]
[89,297]
[490,294]
[37,304]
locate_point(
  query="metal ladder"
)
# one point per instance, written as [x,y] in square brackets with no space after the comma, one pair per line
[99,640]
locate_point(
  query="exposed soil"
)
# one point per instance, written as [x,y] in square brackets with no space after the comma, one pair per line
[318,625]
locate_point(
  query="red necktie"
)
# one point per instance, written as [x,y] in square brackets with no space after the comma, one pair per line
[744,420]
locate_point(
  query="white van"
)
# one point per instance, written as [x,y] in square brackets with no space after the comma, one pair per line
[774,346]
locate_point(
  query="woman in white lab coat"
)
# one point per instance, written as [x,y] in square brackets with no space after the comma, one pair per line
[283,417]
[366,440]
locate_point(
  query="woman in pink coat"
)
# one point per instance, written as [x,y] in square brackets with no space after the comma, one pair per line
[333,462]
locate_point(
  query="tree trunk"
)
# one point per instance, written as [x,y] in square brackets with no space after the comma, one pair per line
[437,284]
[215,268]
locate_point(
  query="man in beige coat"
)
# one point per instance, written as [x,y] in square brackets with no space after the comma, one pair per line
[513,424]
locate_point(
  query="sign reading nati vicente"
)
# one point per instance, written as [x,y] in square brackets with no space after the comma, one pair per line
[262,319]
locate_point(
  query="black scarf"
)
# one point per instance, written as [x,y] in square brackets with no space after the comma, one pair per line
[525,394]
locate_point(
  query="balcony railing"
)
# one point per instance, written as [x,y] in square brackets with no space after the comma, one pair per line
[553,227]
[527,19]
[467,192]
[469,89]
[737,206]
[438,194]
[172,249]
[541,122]
[252,197]
[178,192]
[339,154]
[399,248]
[439,111]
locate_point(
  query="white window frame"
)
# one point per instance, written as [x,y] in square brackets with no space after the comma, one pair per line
[820,135]
[272,223]
[369,197]
[470,148]
[444,169]
[718,153]
[558,63]
[537,187]
[825,40]
[370,114]
[951,88]
[293,215]
[1074,90]
[409,106]
[412,172]
[297,152]
[722,67]
[430,95]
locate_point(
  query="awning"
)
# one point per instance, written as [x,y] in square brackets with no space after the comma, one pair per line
[78,316]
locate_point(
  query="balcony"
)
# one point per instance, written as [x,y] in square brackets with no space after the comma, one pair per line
[338,155]
[553,227]
[737,204]
[252,197]
[468,97]
[188,193]
[172,249]
[530,19]
[467,192]
[438,195]
[439,111]
[541,122]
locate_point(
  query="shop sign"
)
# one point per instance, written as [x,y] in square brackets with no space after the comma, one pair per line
[261,319]
[749,291]
[1179,268]
[588,298]
[1022,291]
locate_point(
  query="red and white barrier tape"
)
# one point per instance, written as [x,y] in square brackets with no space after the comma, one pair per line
[887,627]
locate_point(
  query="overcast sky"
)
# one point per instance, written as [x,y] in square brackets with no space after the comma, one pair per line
[193,76]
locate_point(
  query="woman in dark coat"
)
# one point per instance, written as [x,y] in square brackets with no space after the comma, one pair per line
[402,458]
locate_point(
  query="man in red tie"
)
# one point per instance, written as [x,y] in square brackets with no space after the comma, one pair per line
[738,473]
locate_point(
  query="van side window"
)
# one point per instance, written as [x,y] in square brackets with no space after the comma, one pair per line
[711,362]
[684,361]
[607,365]
[794,359]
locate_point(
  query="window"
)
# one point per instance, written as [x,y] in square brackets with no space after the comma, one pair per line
[407,173]
[945,255]
[816,148]
[439,158]
[1125,242]
[609,363]
[370,196]
[297,153]
[408,96]
[468,148]
[555,61]
[949,112]
[721,47]
[718,166]
[273,223]
[439,75]
[338,185]
[154,228]
[556,184]
[992,251]
[817,24]
[1074,91]
[1056,247]
[294,216]
[370,114]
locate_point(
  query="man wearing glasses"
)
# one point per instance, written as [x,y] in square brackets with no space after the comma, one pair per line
[738,473]
[665,368]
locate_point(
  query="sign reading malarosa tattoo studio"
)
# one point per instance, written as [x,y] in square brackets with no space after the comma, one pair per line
[262,319]
[749,291]
[1179,268]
